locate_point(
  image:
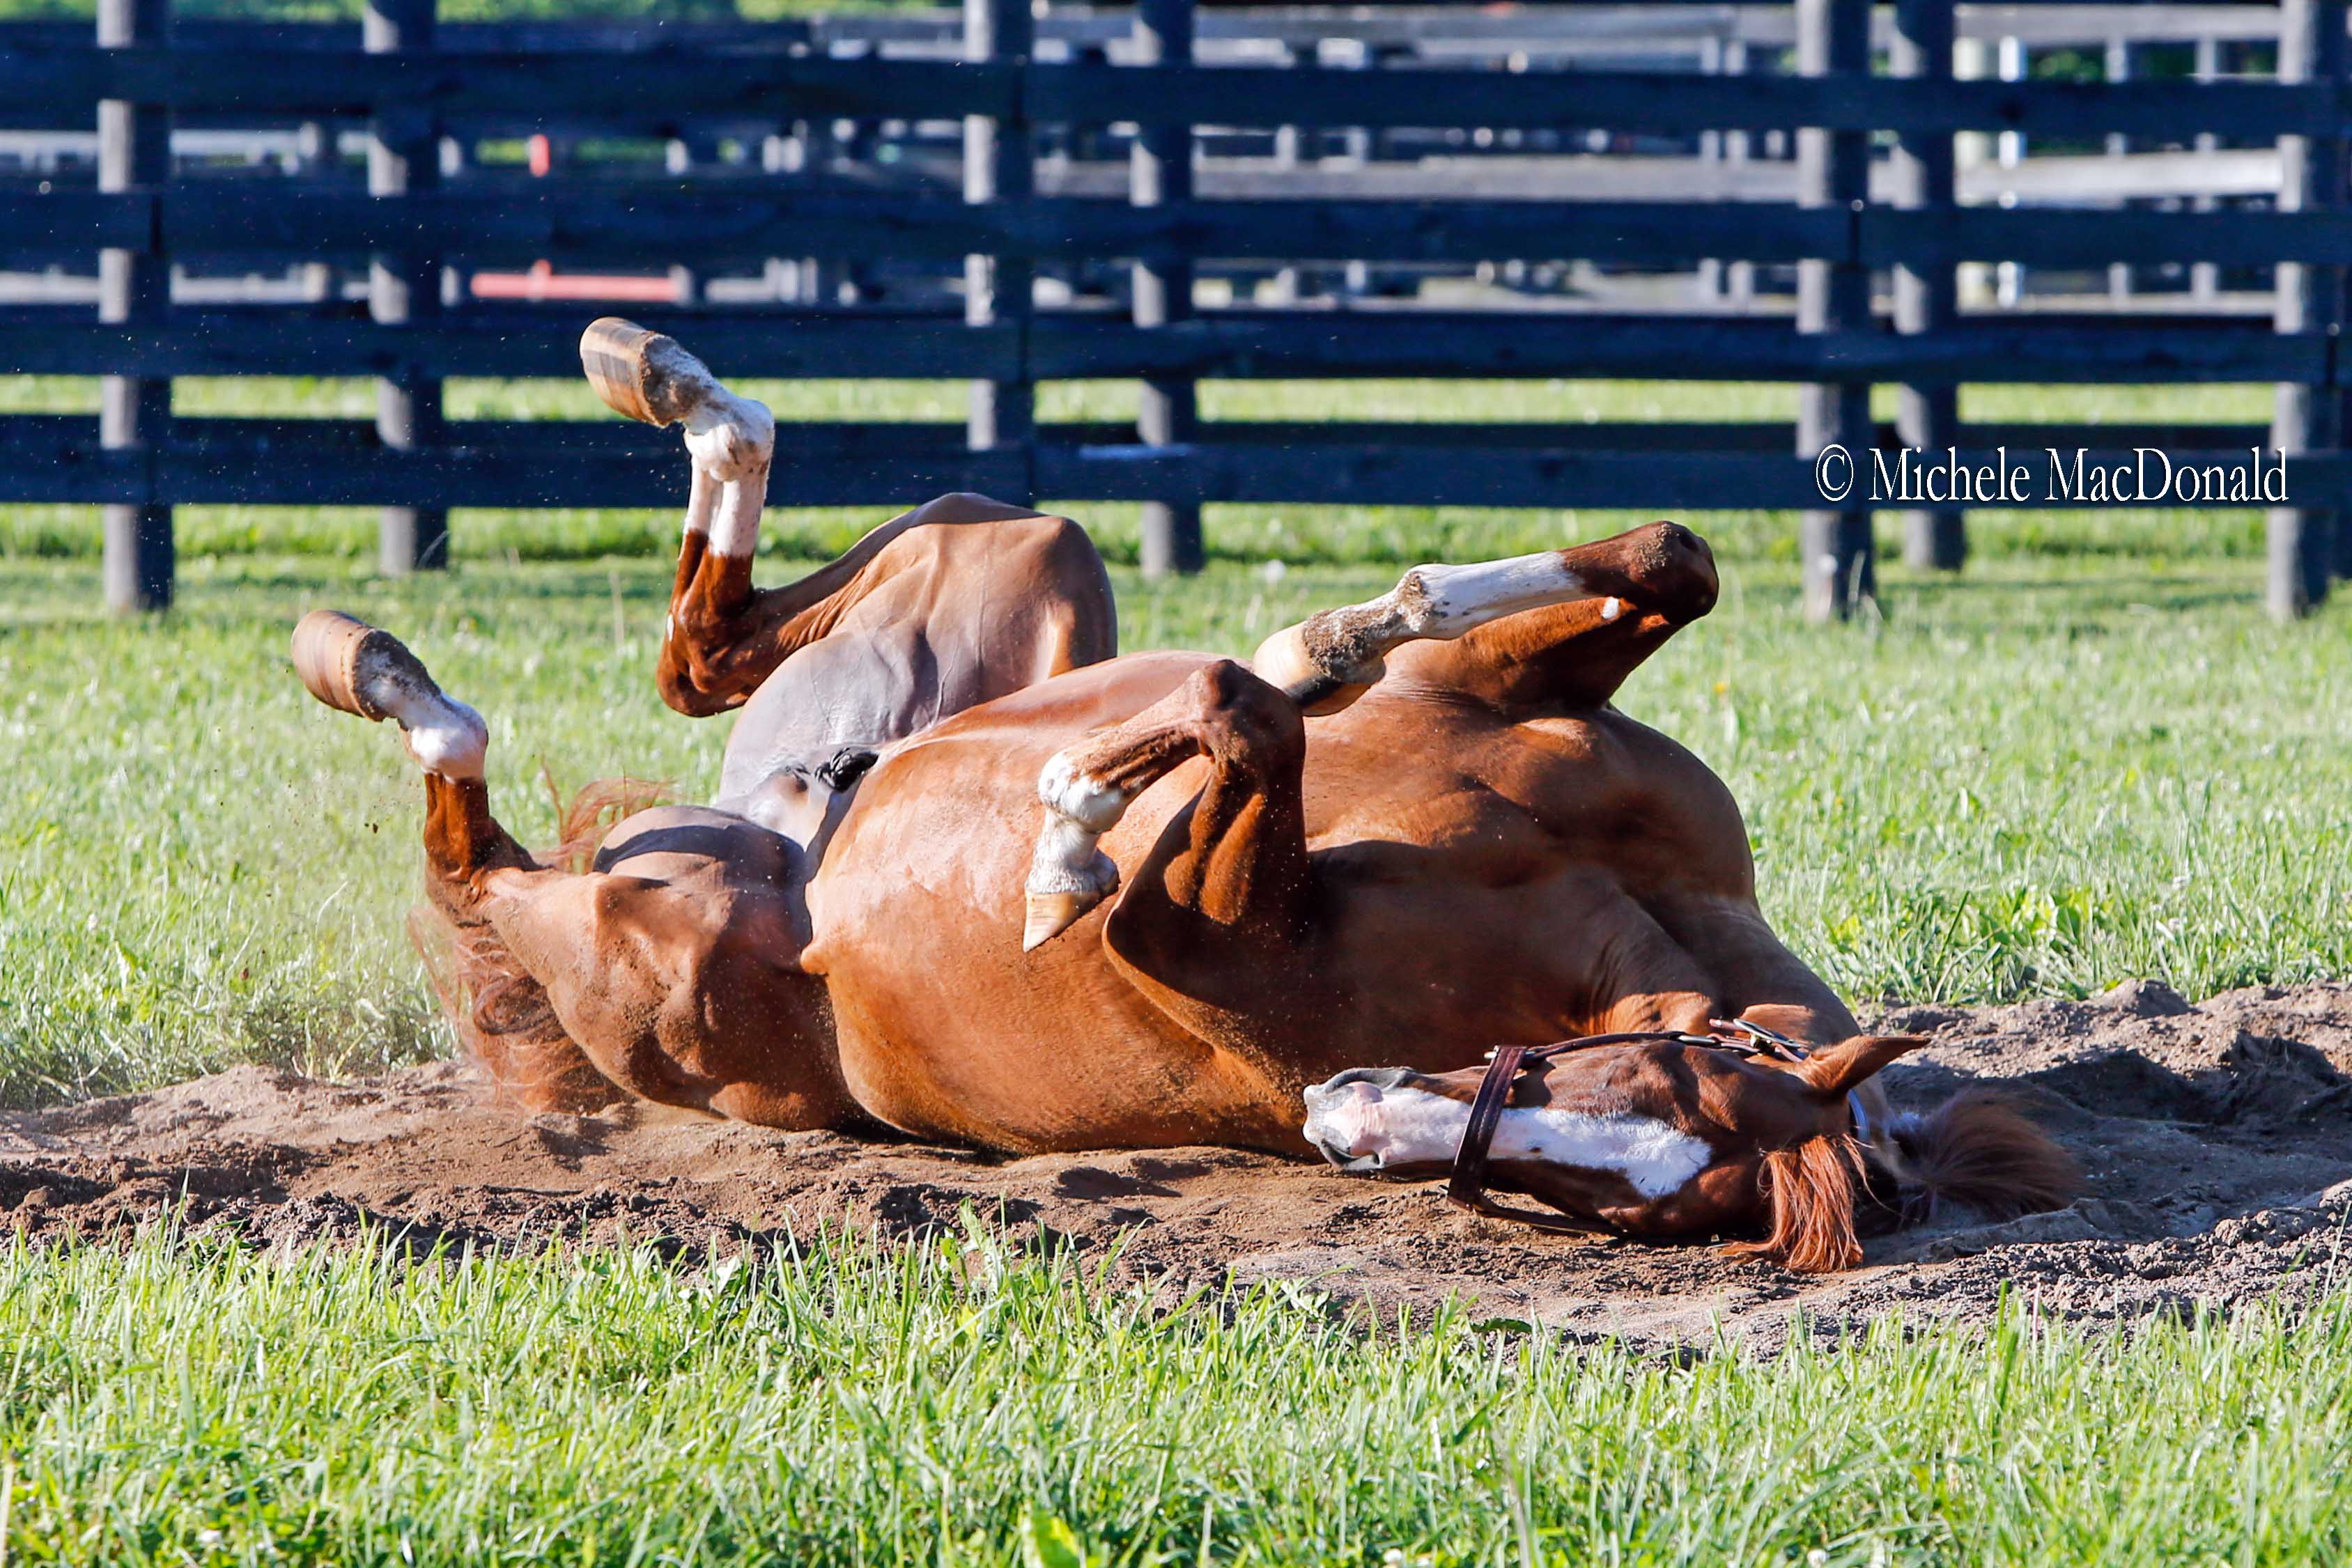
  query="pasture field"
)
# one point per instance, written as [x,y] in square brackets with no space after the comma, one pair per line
[956,1404]
[2090,758]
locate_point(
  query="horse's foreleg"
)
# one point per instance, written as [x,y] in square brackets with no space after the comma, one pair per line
[1328,660]
[500,1008]
[1230,870]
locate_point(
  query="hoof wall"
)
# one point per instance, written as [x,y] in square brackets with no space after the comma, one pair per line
[1051,914]
[340,657]
[644,375]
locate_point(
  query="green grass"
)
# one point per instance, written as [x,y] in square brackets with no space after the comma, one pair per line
[2089,758]
[954,1403]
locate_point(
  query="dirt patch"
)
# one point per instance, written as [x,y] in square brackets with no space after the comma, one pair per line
[2218,1141]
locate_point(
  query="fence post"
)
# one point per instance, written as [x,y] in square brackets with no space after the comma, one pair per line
[1834,294]
[1929,301]
[1161,172]
[2312,47]
[404,159]
[999,165]
[2118,68]
[1739,278]
[134,154]
[2205,277]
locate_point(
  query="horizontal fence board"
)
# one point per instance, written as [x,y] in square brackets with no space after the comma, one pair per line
[657,222]
[2044,236]
[1673,23]
[664,91]
[30,434]
[657,90]
[262,342]
[1306,345]
[527,464]
[1302,345]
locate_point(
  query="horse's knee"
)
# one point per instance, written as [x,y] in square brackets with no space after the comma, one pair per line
[1246,722]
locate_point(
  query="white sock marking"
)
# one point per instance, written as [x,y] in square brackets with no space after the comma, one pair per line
[732,441]
[731,437]
[444,734]
[738,531]
[1084,800]
[1413,1126]
[1464,598]
[700,502]
[1079,811]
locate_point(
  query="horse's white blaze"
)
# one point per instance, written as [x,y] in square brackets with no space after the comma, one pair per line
[1409,1126]
[444,734]
[1464,598]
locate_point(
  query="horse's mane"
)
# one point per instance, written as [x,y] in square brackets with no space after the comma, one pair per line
[1812,1188]
[1979,1149]
[1975,1148]
[583,821]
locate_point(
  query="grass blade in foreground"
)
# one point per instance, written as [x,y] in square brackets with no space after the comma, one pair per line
[954,1402]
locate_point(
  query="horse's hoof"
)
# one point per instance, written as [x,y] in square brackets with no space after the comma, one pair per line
[1051,914]
[644,375]
[340,657]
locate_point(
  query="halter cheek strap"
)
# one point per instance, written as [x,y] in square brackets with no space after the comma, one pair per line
[1466,1189]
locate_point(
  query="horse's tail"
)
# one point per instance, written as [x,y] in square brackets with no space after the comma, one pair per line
[1979,1149]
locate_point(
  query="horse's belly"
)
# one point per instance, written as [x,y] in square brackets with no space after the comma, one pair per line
[947,1029]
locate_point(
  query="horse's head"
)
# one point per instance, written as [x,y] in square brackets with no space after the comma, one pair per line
[1657,1139]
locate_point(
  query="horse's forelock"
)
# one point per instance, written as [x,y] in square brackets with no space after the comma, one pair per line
[1811,1189]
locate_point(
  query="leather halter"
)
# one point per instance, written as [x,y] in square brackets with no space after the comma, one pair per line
[1467,1186]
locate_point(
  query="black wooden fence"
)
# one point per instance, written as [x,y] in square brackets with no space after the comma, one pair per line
[410,85]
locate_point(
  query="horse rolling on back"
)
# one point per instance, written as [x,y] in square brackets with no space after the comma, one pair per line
[974,876]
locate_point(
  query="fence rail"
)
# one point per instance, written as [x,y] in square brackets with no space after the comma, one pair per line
[1878,251]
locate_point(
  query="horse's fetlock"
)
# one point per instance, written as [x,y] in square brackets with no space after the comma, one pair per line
[730,438]
[1070,791]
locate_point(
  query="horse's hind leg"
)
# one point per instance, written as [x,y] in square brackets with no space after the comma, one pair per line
[725,637]
[501,1012]
[1567,624]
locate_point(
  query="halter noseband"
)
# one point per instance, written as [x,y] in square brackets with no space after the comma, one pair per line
[1467,1186]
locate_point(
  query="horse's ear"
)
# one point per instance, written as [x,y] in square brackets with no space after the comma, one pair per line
[1837,1070]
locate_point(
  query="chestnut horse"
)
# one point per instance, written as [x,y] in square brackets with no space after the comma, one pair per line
[1406,831]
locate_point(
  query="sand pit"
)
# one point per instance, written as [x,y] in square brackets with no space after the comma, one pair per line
[2218,1140]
